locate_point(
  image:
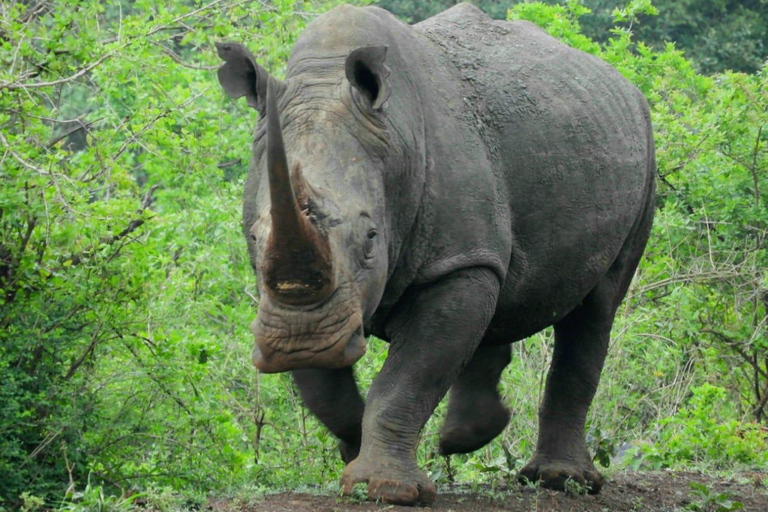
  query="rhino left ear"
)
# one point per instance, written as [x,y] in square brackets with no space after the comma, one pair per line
[367,73]
[242,76]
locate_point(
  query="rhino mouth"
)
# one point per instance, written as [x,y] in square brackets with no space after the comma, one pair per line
[330,336]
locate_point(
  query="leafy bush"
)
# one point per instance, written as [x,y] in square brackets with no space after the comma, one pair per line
[124,305]
[706,430]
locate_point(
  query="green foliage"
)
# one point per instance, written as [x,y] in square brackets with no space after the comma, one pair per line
[604,447]
[125,290]
[706,500]
[124,305]
[574,488]
[717,35]
[30,503]
[94,499]
[560,21]
[705,430]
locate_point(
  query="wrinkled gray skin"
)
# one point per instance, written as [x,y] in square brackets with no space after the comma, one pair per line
[467,182]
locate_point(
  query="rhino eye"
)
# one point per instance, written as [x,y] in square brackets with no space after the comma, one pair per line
[368,245]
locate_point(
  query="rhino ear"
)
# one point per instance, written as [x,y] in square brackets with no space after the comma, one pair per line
[367,73]
[242,76]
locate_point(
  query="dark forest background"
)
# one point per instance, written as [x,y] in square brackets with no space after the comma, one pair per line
[717,35]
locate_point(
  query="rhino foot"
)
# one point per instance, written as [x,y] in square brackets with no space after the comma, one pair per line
[388,482]
[472,429]
[553,474]
[475,412]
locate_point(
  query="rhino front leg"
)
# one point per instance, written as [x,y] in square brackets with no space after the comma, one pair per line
[433,334]
[333,397]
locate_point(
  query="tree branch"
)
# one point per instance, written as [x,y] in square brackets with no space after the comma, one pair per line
[81,126]
[12,86]
[178,60]
[132,226]
[734,345]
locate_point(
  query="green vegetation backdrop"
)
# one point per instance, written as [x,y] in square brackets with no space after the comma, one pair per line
[126,294]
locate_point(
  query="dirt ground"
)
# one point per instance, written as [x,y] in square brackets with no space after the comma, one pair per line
[626,491]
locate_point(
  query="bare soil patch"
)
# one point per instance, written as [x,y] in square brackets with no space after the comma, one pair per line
[659,491]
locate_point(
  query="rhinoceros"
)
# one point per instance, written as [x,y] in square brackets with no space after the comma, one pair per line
[448,187]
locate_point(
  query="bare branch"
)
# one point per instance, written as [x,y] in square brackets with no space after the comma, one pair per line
[42,446]
[253,298]
[753,169]
[19,159]
[12,86]
[132,226]
[95,340]
[178,60]
[696,277]
[183,17]
[758,411]
[81,126]
[734,344]
[231,163]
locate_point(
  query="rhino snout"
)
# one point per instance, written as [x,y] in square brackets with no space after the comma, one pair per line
[326,337]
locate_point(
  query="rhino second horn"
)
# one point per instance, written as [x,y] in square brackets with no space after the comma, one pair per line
[297,266]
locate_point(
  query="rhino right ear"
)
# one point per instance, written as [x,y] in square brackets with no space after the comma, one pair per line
[242,76]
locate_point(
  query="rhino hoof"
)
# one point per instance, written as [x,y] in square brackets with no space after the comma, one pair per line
[467,433]
[388,484]
[554,474]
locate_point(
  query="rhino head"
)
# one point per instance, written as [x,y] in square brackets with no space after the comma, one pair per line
[314,212]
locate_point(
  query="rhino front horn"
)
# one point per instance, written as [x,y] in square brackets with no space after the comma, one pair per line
[297,266]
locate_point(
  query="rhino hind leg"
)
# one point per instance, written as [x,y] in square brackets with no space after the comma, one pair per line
[333,397]
[476,414]
[581,344]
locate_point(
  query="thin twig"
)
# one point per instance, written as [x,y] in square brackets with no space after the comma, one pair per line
[178,60]
[12,86]
[253,297]
[183,17]
[686,278]
[81,126]
[735,346]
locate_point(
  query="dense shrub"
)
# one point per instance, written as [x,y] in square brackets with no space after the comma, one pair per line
[124,305]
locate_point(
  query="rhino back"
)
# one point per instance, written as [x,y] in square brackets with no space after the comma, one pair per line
[568,138]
